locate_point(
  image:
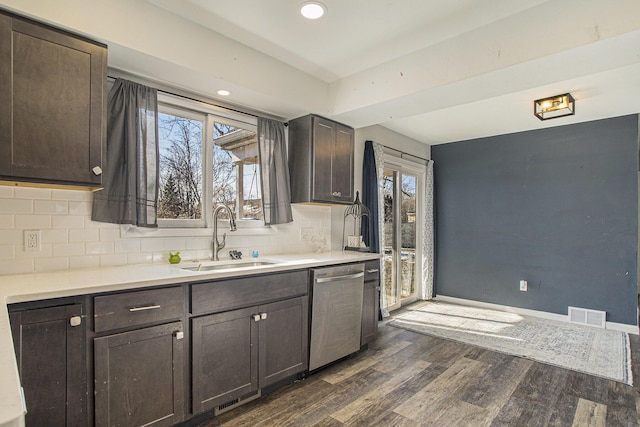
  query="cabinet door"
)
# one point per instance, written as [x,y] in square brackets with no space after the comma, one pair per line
[342,165]
[51,360]
[370,311]
[324,138]
[283,339]
[224,357]
[139,377]
[52,118]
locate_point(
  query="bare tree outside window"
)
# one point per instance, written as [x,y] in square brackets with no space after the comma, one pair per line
[180,167]
[235,173]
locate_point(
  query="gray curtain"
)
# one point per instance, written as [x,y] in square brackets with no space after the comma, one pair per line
[130,194]
[276,193]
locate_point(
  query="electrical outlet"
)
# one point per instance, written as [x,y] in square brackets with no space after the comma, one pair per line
[32,240]
[523,285]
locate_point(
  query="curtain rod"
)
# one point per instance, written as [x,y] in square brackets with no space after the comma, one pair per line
[197,100]
[402,154]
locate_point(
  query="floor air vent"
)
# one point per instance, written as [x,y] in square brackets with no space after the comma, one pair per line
[232,404]
[588,317]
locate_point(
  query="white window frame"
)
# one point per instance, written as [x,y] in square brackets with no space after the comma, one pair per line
[208,114]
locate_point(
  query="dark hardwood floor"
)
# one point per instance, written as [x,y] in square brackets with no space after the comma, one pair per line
[409,379]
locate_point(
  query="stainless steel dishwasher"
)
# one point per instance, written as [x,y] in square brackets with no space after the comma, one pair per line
[336,313]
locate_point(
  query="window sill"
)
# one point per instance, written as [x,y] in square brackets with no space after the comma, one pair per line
[244,228]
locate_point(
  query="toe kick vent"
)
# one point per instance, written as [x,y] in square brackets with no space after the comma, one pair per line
[585,316]
[226,407]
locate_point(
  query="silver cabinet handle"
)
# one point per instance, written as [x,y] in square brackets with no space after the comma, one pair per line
[372,270]
[143,308]
[263,316]
[75,321]
[339,278]
[256,317]
[97,170]
[336,194]
[179,335]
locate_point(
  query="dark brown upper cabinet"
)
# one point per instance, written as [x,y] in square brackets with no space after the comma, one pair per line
[320,161]
[52,114]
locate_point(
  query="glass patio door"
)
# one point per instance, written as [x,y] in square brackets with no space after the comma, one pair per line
[400,235]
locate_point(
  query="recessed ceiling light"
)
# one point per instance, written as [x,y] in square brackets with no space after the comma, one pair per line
[223,92]
[312,9]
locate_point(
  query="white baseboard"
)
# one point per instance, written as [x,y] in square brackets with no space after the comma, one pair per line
[630,329]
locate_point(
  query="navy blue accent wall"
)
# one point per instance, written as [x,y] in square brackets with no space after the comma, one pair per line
[557,207]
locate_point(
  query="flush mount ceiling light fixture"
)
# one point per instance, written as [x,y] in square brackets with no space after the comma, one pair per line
[313,9]
[554,107]
[224,92]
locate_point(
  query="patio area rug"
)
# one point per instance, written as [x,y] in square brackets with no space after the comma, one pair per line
[601,352]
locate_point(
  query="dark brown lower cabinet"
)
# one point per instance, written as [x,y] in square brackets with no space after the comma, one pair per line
[50,350]
[237,352]
[370,302]
[283,339]
[139,377]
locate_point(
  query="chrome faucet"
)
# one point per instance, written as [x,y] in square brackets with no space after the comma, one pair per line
[217,246]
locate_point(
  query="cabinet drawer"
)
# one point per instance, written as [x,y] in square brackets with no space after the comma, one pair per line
[211,297]
[371,270]
[137,308]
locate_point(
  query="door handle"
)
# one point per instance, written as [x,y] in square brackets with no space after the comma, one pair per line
[339,278]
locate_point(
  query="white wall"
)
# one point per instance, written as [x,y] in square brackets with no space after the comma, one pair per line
[70,240]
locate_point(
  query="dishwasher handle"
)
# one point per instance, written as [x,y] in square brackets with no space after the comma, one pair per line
[339,278]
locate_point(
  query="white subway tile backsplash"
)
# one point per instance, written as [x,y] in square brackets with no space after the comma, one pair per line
[33,221]
[7,252]
[109,234]
[51,264]
[99,248]
[18,206]
[10,236]
[55,235]
[70,240]
[68,195]
[51,206]
[125,246]
[32,193]
[17,266]
[80,208]
[113,260]
[46,250]
[84,235]
[6,192]
[139,258]
[201,243]
[6,220]
[68,249]
[151,245]
[87,261]
[175,244]
[67,221]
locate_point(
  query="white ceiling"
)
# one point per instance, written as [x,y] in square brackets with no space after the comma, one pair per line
[437,70]
[359,41]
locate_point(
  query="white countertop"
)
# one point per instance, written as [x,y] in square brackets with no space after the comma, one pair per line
[40,286]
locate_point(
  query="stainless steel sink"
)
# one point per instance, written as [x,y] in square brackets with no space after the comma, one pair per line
[228,266]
